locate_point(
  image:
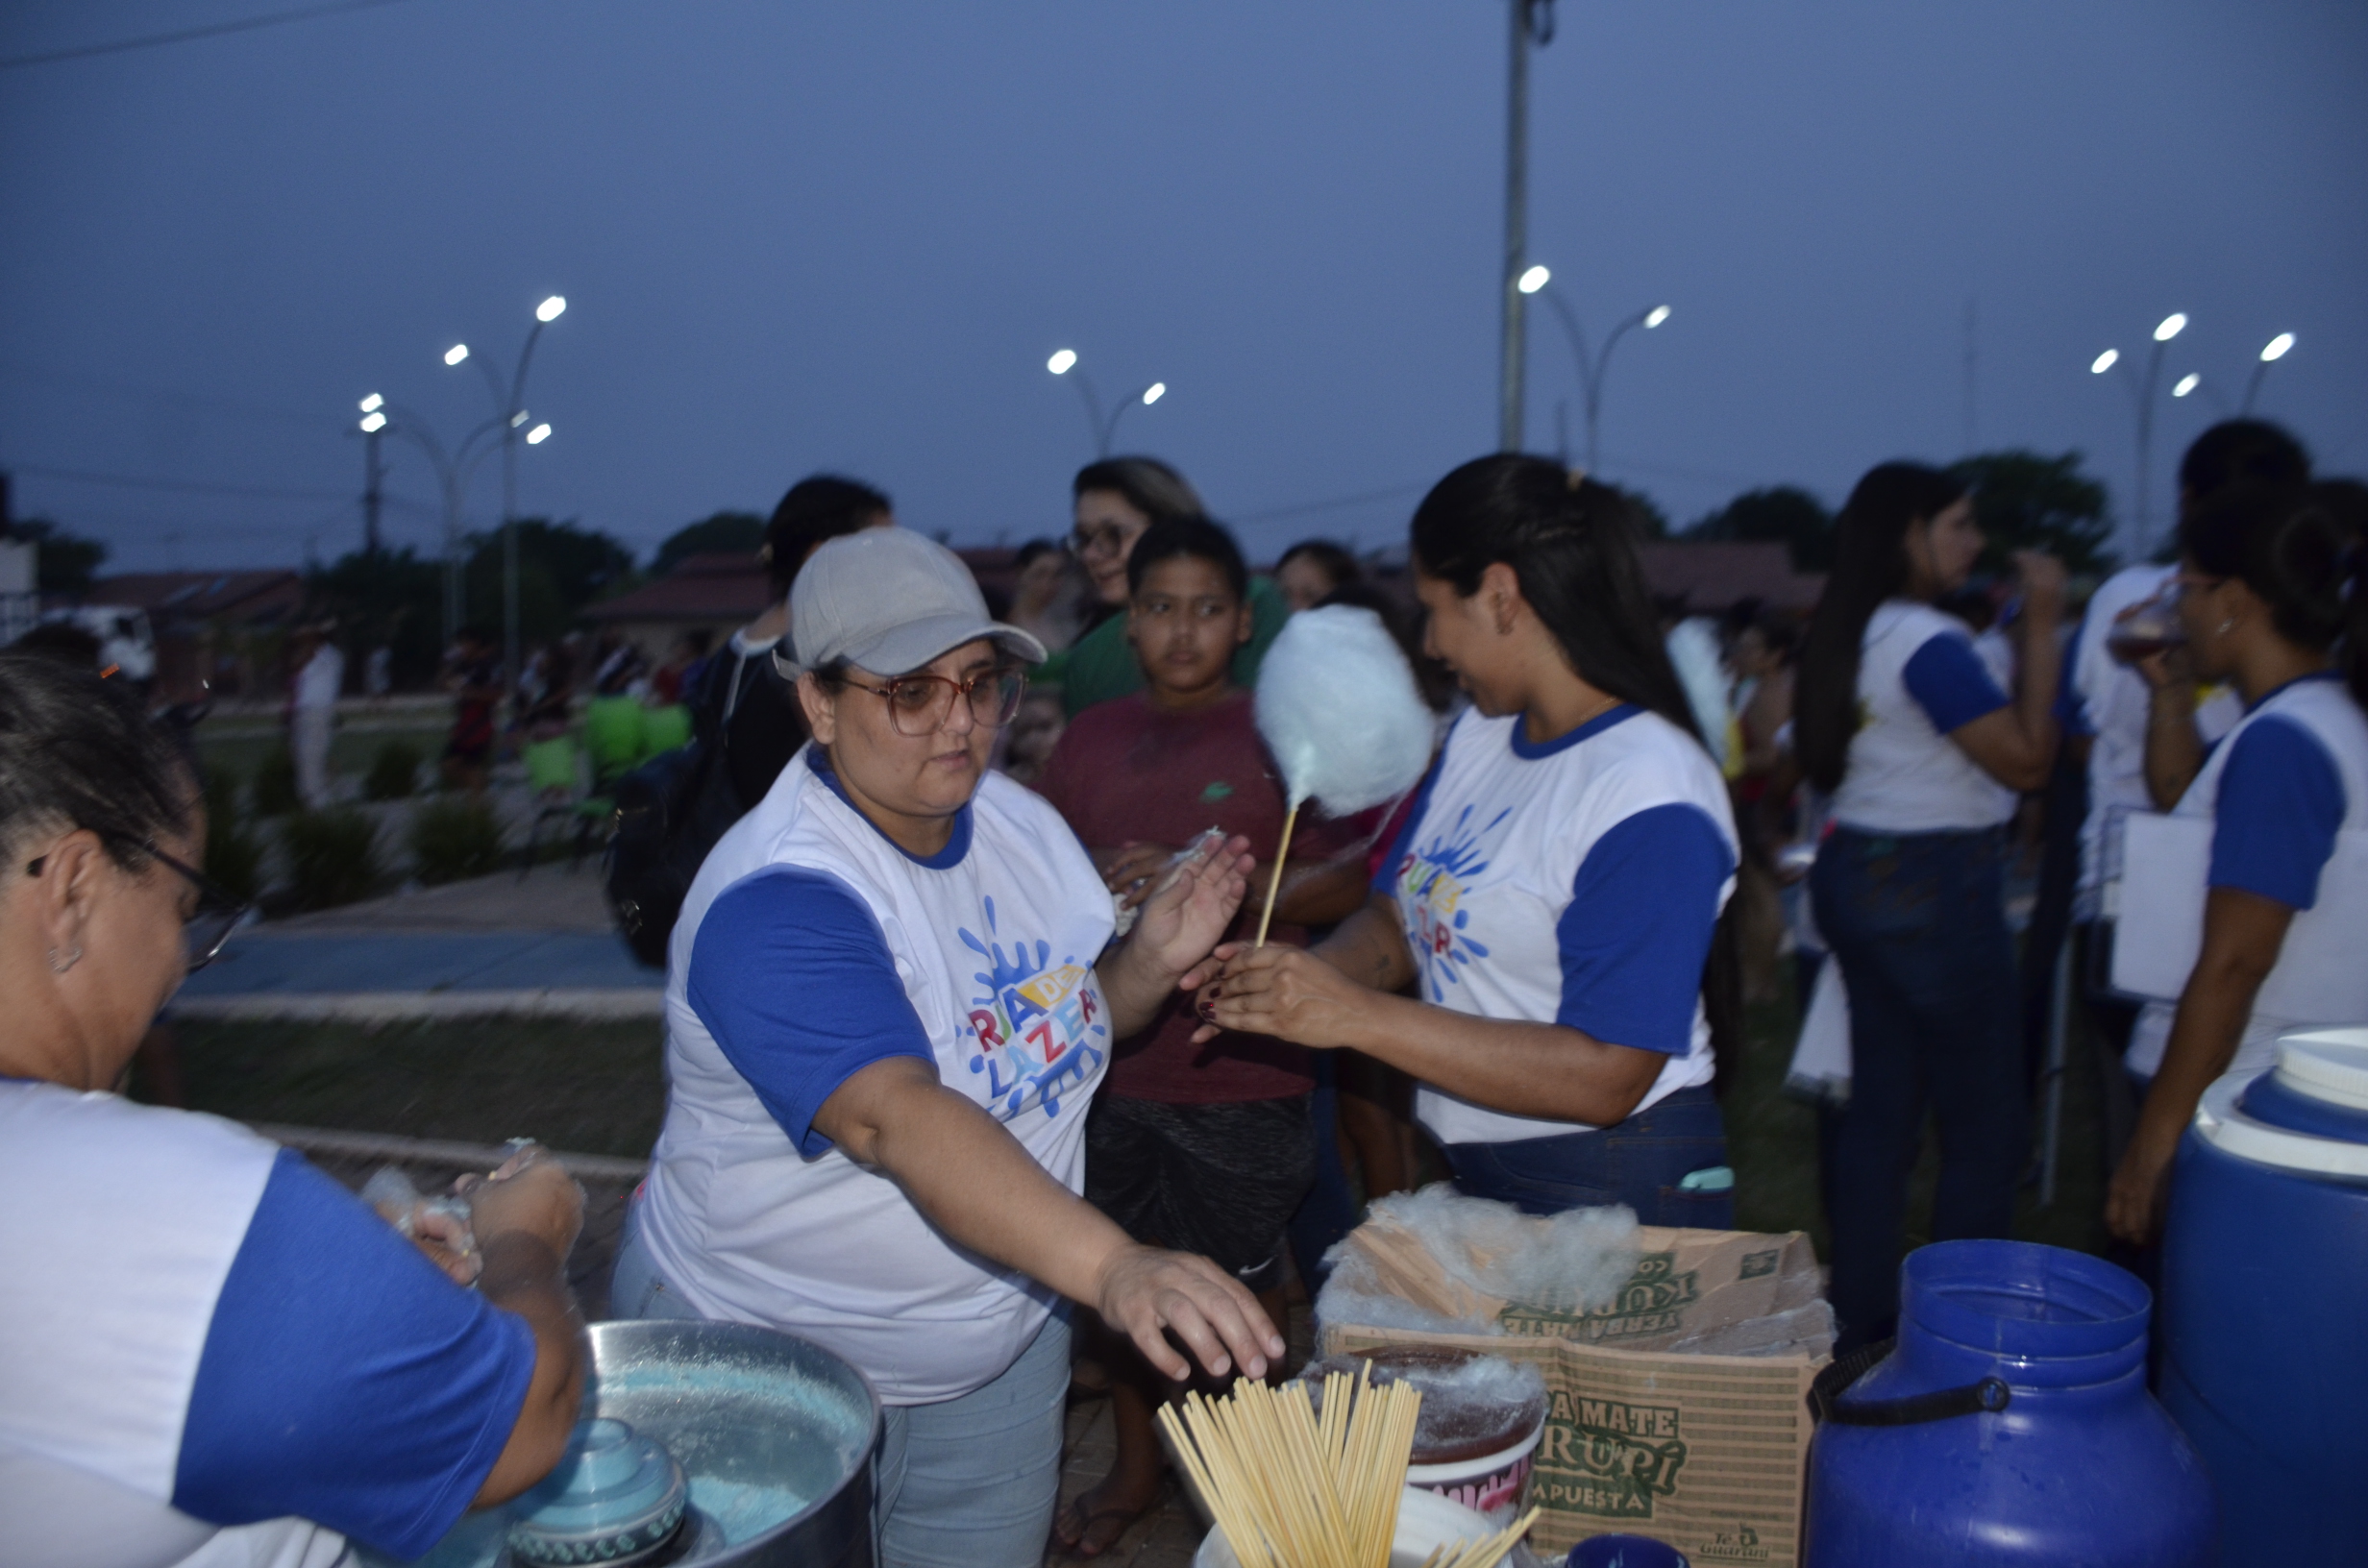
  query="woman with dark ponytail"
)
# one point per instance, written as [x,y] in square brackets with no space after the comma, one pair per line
[1558,886]
[2273,597]
[1899,723]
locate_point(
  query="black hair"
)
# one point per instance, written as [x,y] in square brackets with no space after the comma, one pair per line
[1333,561]
[63,641]
[2300,549]
[820,508]
[2241,452]
[77,751]
[476,632]
[1572,544]
[1190,538]
[1027,554]
[1870,565]
[1148,485]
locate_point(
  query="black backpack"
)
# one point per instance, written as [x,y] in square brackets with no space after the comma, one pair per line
[670,810]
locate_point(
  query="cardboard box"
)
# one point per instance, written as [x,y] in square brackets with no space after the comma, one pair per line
[1707,1453]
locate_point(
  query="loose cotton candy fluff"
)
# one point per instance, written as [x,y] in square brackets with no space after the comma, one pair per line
[1338,708]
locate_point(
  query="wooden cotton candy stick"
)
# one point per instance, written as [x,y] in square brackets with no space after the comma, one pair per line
[1275,883]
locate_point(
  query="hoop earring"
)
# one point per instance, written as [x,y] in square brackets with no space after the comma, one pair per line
[71,959]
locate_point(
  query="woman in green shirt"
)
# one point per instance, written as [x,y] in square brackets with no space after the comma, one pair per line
[1117,498]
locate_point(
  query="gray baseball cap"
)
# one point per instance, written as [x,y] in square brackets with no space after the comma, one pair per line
[888,600]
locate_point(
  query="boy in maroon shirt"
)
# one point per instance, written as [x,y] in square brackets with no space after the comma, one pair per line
[1204,1147]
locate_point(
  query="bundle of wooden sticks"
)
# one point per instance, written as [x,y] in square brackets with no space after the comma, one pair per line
[1292,1490]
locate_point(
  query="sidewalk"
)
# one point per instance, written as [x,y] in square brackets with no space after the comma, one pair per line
[543,945]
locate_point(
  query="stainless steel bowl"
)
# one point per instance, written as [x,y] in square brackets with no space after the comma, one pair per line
[777,1434]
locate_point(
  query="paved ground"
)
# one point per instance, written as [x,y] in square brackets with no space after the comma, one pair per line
[540,943]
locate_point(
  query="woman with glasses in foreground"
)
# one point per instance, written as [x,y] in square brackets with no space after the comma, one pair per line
[888,1007]
[208,1351]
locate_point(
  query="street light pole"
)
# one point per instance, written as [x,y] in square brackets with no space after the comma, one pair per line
[1105,430]
[453,471]
[509,407]
[1533,22]
[1592,367]
[2274,350]
[2142,391]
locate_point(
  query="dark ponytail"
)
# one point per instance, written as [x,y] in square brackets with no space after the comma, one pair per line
[1870,565]
[1572,544]
[2301,549]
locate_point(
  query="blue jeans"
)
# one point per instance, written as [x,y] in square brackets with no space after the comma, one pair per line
[967,1482]
[1643,1162]
[1918,922]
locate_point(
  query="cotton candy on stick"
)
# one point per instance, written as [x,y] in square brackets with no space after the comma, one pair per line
[1339,709]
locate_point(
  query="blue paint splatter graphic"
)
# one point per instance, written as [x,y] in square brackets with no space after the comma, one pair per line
[1031,1028]
[1433,881]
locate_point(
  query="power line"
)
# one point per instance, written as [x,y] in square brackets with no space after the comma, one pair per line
[76,476]
[186,34]
[155,393]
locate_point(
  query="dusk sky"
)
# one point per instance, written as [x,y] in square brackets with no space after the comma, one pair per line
[800,236]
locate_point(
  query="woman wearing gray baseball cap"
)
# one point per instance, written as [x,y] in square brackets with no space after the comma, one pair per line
[888,1005]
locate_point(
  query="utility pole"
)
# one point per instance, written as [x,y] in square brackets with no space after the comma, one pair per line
[372,471]
[1533,21]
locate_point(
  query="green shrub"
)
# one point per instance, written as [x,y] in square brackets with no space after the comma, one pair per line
[275,783]
[332,857]
[233,853]
[394,772]
[455,837]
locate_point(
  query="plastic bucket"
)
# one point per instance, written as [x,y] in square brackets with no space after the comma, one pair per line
[1425,1523]
[1489,1482]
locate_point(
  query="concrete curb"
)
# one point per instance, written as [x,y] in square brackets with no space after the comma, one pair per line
[598,1167]
[605,1003]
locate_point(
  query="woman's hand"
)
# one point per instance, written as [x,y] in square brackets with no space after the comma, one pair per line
[2140,1190]
[1145,1291]
[1190,908]
[1131,870]
[1287,992]
[531,1194]
[2039,580]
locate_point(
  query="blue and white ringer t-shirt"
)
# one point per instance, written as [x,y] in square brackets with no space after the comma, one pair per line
[811,945]
[1920,678]
[1575,882]
[2290,776]
[210,1354]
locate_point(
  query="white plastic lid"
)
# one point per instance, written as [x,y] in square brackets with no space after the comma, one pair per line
[2330,1065]
[2228,1129]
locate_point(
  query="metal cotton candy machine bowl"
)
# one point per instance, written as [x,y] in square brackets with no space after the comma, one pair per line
[759,1442]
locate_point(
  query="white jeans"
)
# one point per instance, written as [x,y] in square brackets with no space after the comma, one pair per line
[310,743]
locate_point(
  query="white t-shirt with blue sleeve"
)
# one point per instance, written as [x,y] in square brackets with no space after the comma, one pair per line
[1575,882]
[2286,780]
[1920,678]
[810,946]
[210,1354]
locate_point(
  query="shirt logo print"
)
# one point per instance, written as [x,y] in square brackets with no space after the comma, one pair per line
[1218,791]
[1034,1024]
[1433,880]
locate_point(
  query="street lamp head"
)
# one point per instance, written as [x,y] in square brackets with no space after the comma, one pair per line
[373,421]
[1534,279]
[372,404]
[1654,317]
[1061,362]
[2171,325]
[517,419]
[550,308]
[456,354]
[1152,393]
[2275,347]
[536,437]
[2186,384]
[2104,361]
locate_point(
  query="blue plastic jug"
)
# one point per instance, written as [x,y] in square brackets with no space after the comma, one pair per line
[2265,1302]
[2009,1424]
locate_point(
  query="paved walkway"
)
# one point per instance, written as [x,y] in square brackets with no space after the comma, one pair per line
[543,943]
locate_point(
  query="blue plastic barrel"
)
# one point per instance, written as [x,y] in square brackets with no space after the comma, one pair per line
[2265,1302]
[2015,1426]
